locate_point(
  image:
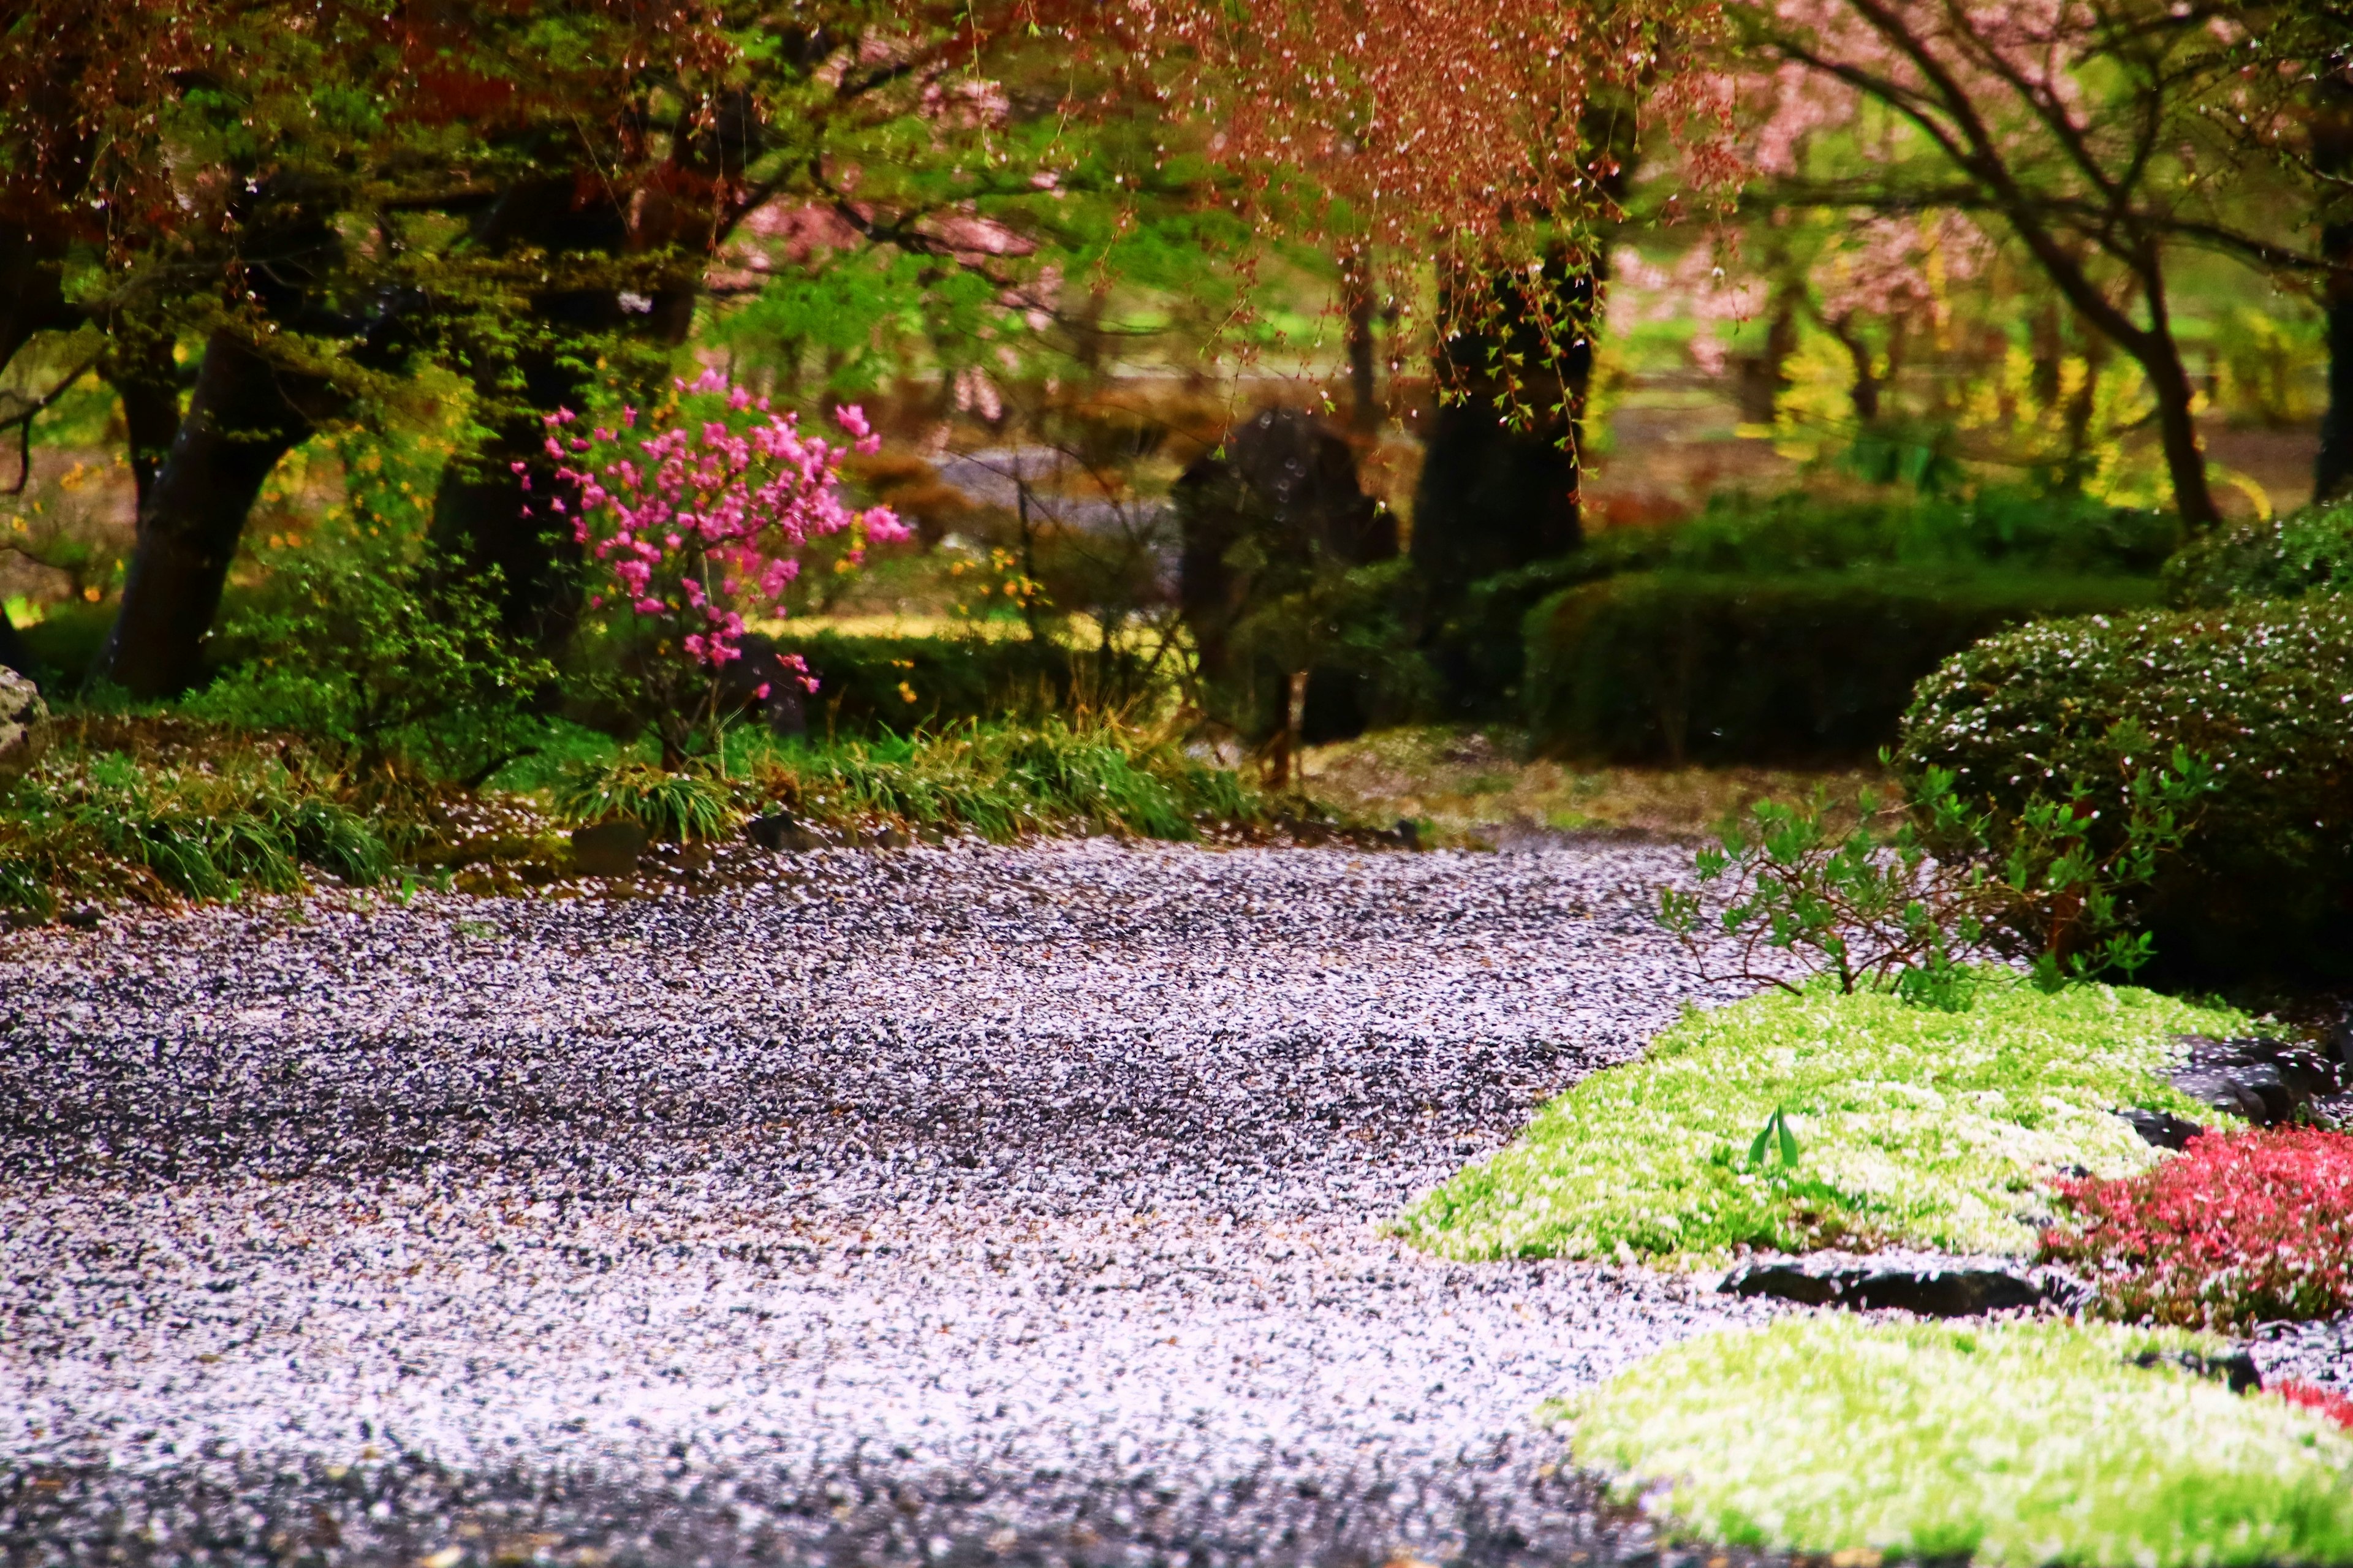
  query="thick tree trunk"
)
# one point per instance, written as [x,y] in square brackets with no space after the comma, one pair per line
[1497,493]
[146,379]
[2332,471]
[242,417]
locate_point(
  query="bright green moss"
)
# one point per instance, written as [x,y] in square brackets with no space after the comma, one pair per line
[1917,1127]
[2016,1443]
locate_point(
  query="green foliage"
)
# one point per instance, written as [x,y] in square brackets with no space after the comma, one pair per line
[1901,909]
[674,807]
[66,640]
[1003,781]
[2078,710]
[1921,1126]
[1775,1138]
[1680,666]
[1799,530]
[360,638]
[2009,1445]
[1974,542]
[870,684]
[2306,552]
[92,821]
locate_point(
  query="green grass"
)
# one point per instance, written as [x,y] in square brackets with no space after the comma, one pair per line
[152,811]
[1916,1127]
[1004,781]
[2017,1443]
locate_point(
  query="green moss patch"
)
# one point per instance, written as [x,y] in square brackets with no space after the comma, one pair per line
[1916,1127]
[2025,1444]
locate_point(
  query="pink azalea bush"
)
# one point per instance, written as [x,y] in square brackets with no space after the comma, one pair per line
[2239,1228]
[695,516]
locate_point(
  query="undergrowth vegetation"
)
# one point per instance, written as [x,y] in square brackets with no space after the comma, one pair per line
[2011,1444]
[1002,782]
[2237,1230]
[1915,1126]
[153,812]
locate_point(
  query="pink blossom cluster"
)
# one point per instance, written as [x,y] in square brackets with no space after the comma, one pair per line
[2239,1228]
[706,514]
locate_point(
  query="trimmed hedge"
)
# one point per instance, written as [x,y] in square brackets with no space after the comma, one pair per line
[2307,551]
[1676,667]
[2263,883]
[869,684]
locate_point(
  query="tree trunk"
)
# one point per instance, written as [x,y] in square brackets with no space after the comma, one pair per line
[146,379]
[242,419]
[2332,155]
[1364,391]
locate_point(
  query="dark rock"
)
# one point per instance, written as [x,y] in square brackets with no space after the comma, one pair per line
[778,832]
[2162,1129]
[1285,487]
[2236,1368]
[1408,832]
[761,682]
[607,850]
[2266,1082]
[1932,1291]
[85,917]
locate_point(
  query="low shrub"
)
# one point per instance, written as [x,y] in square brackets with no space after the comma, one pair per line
[2010,1446]
[1679,666]
[1004,781]
[98,823]
[2337,1408]
[1917,1126]
[2262,883]
[867,685]
[2285,557]
[2015,532]
[2242,1228]
[1793,893]
[672,806]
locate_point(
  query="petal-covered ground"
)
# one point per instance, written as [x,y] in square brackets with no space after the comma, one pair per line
[948,1205]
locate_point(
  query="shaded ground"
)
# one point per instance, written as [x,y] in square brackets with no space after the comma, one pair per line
[949,1205]
[1475,786]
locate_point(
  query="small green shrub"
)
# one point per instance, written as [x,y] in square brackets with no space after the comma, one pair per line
[674,807]
[2262,883]
[1679,666]
[1864,906]
[353,642]
[2286,557]
[1004,781]
[2011,1445]
[1919,1127]
[66,641]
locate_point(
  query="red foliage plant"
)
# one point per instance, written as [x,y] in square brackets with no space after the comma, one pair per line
[2335,1406]
[2239,1228]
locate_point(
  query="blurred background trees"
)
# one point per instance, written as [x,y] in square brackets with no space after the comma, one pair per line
[1671,381]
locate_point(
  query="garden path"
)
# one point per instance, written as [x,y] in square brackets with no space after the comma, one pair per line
[957,1205]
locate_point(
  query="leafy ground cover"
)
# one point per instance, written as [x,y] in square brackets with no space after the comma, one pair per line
[2242,1228]
[2012,1444]
[1912,1126]
[158,808]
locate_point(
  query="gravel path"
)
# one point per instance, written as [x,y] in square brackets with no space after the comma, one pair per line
[964,1205]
